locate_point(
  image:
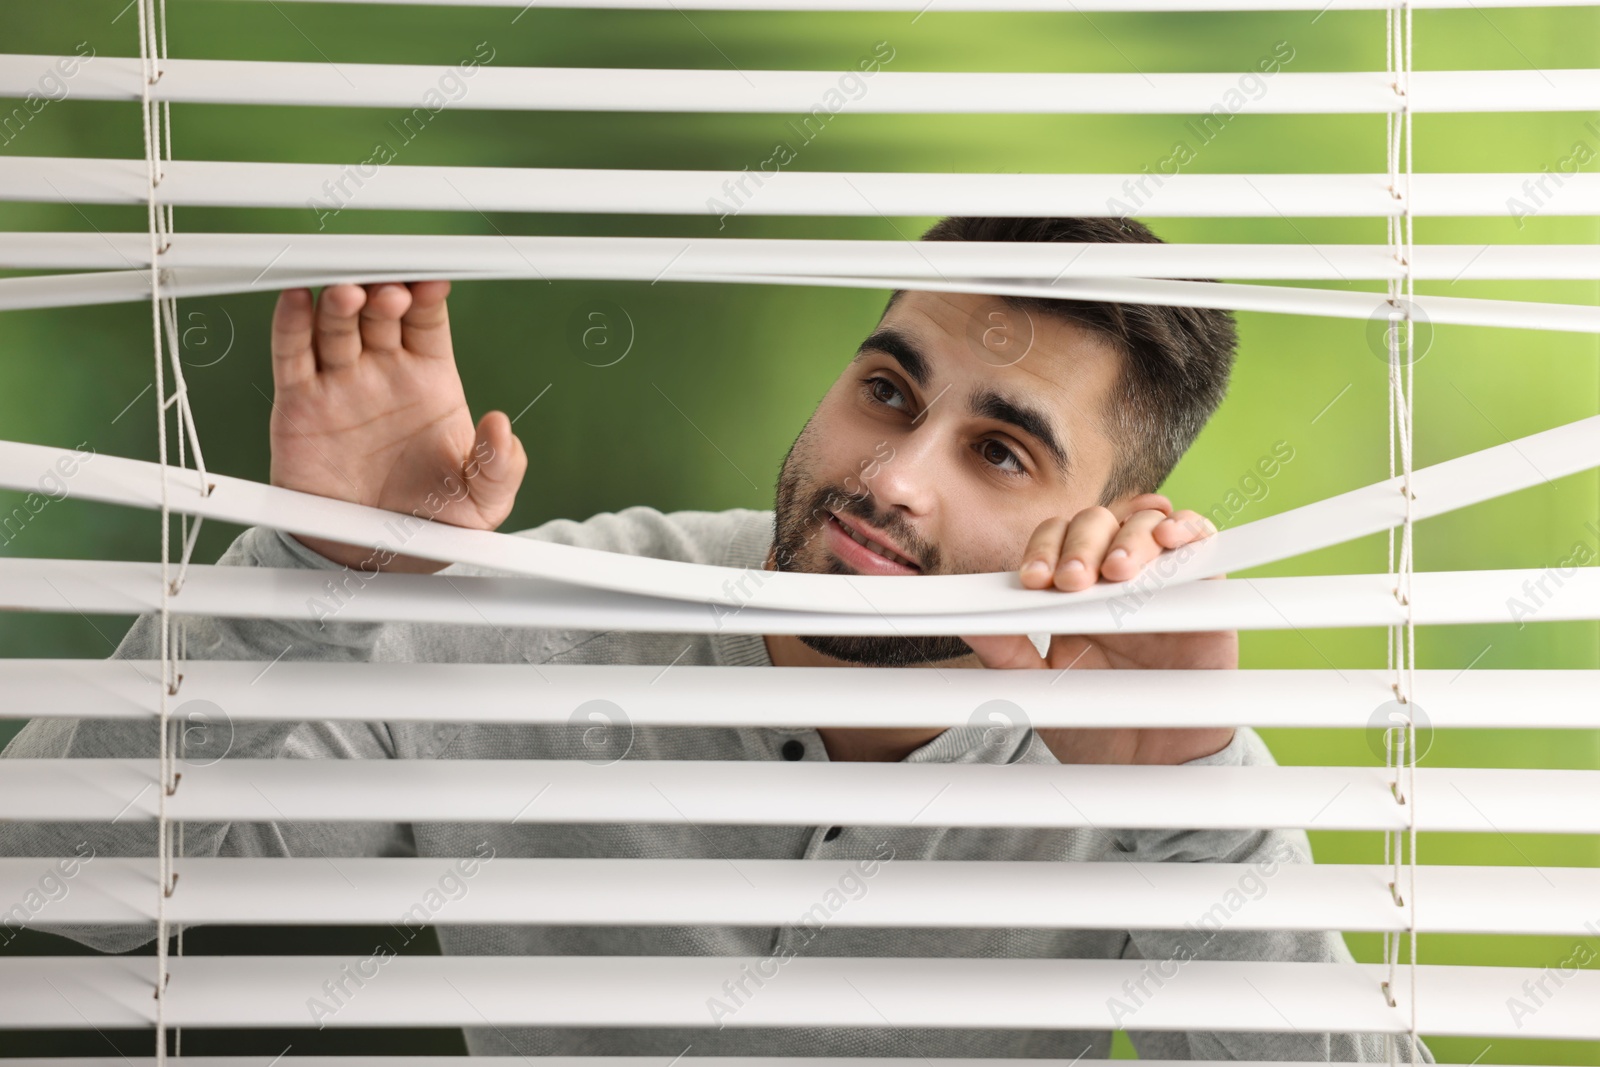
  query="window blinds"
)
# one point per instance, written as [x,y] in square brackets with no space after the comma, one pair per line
[556,585]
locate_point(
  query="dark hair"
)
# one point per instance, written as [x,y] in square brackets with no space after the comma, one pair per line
[1176,359]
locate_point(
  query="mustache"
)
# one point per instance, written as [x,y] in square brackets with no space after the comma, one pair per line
[831,500]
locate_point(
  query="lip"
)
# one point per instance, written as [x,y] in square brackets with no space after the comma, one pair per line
[860,556]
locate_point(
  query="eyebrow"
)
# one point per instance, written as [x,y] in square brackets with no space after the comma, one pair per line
[983,401]
[988,404]
[891,342]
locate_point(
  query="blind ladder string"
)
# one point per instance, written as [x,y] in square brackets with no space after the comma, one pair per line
[1392,354]
[180,397]
[186,418]
[1409,539]
[1401,644]
[156,120]
[151,134]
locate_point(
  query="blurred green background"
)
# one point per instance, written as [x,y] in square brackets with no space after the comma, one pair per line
[720,378]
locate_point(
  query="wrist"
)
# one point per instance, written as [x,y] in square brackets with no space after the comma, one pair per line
[368,559]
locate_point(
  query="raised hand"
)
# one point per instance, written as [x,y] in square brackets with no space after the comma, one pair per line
[369,408]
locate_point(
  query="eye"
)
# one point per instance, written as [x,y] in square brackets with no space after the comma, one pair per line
[874,389]
[996,454]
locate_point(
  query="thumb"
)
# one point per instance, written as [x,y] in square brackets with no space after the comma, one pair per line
[496,467]
[1005,651]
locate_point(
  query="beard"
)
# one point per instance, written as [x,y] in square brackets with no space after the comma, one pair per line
[798,519]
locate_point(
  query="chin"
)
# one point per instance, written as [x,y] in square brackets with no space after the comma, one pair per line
[896,651]
[870,650]
[798,549]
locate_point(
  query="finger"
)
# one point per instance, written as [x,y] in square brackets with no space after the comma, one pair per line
[293,361]
[380,317]
[1067,651]
[1088,539]
[425,327]
[495,470]
[1044,549]
[1005,651]
[1183,527]
[338,333]
[1133,546]
[1142,502]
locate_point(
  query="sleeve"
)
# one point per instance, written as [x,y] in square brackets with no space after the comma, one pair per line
[1210,938]
[688,536]
[223,639]
[682,536]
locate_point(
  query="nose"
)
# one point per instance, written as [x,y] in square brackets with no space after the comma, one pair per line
[908,480]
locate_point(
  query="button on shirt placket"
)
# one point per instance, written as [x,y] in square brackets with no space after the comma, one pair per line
[822,837]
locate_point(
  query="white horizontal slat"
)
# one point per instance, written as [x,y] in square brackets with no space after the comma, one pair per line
[1441,597]
[1043,894]
[124,286]
[668,258]
[940,6]
[200,183]
[1455,483]
[805,91]
[272,991]
[606,1061]
[1440,310]
[127,286]
[803,793]
[823,697]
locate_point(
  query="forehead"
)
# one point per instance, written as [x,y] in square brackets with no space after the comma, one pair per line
[966,339]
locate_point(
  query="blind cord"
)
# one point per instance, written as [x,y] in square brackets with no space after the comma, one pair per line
[156,119]
[1400,760]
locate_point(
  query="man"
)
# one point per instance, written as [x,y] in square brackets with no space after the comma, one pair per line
[1053,421]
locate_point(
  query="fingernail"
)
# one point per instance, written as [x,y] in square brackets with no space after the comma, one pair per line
[1115,552]
[1037,566]
[1074,565]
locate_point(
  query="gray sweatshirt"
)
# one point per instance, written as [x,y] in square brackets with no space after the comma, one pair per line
[736,538]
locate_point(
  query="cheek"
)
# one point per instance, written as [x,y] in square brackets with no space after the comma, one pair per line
[993,543]
[841,442]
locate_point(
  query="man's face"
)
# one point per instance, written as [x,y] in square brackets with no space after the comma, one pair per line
[960,426]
